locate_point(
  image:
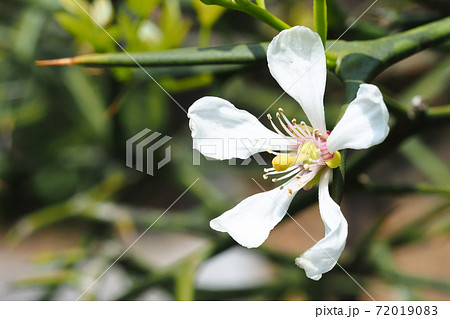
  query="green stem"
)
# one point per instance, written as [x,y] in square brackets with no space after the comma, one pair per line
[231,54]
[438,112]
[320,19]
[261,3]
[255,10]
[363,60]
[406,188]
[204,36]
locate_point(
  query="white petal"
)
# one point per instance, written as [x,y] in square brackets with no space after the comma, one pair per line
[323,256]
[250,221]
[364,124]
[297,61]
[221,131]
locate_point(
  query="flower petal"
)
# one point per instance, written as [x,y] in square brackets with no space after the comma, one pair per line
[221,131]
[323,256]
[250,221]
[364,124]
[296,59]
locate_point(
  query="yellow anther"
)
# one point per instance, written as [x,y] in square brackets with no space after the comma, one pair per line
[335,161]
[281,162]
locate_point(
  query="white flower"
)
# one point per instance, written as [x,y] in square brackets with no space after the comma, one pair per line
[296,59]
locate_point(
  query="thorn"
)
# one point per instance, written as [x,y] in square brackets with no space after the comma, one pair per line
[63,61]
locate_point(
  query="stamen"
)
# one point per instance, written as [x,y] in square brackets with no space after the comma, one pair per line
[280,110]
[274,127]
[289,192]
[281,187]
[289,175]
[265,176]
[269,117]
[274,180]
[294,121]
[269,169]
[306,167]
[274,172]
[285,128]
[301,131]
[291,128]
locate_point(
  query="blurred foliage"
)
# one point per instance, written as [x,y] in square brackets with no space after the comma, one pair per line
[63,132]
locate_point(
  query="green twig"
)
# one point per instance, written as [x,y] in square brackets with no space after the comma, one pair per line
[320,19]
[255,10]
[405,188]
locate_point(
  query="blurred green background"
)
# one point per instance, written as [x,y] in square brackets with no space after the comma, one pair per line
[69,206]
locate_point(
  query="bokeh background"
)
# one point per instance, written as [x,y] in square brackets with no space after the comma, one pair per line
[69,206]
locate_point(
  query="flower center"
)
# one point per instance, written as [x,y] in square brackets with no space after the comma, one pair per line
[307,160]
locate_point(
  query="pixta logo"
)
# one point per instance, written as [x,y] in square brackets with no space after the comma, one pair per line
[144,141]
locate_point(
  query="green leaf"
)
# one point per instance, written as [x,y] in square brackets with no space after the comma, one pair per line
[89,101]
[425,160]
